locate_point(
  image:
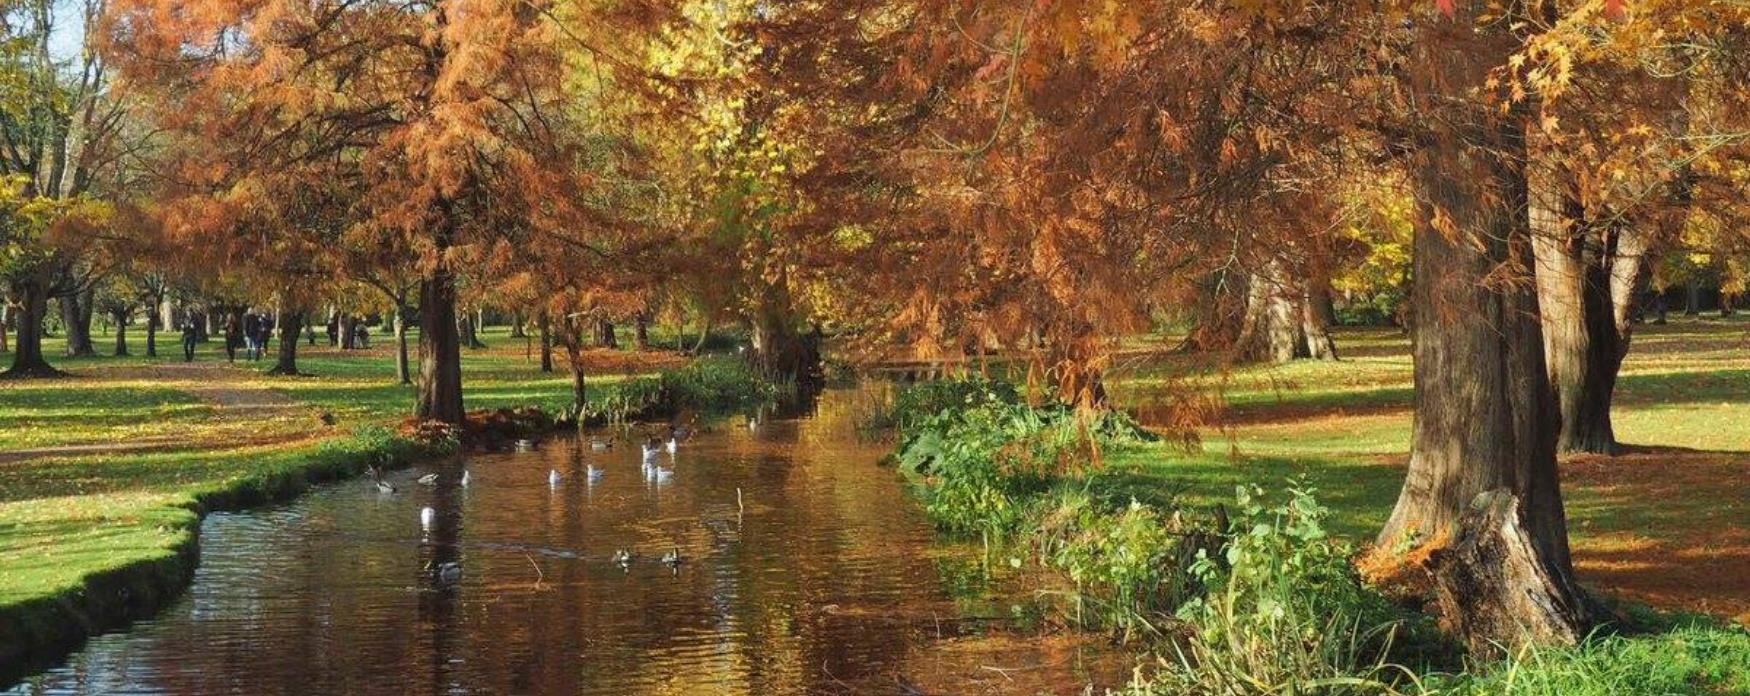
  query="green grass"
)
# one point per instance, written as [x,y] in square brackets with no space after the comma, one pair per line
[78,531]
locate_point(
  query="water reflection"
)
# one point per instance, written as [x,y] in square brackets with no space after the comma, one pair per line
[805,570]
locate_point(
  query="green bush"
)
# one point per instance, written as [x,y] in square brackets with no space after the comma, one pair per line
[1284,612]
[716,384]
[994,468]
[622,401]
[922,400]
[1127,564]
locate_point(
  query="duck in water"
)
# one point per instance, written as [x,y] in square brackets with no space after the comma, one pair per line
[599,444]
[377,477]
[624,558]
[594,473]
[652,449]
[428,479]
[553,478]
[673,558]
[426,517]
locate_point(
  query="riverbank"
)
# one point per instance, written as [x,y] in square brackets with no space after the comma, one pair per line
[110,471]
[1119,520]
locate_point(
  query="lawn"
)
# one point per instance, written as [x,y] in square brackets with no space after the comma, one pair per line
[1668,523]
[101,472]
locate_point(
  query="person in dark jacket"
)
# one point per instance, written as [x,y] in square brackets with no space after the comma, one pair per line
[264,333]
[232,336]
[251,332]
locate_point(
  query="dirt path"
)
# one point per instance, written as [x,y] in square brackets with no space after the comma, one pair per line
[237,403]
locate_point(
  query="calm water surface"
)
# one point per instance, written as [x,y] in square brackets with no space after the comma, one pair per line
[824,579]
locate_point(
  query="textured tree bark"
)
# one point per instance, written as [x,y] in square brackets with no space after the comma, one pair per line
[32,295]
[1317,319]
[1583,343]
[120,317]
[152,329]
[470,336]
[516,326]
[402,372]
[5,325]
[641,332]
[1275,318]
[76,318]
[605,335]
[290,323]
[440,350]
[1484,407]
[348,331]
[546,328]
[1491,581]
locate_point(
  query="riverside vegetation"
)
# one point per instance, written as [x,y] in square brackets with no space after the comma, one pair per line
[1255,595]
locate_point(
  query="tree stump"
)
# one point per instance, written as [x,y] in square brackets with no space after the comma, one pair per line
[1496,589]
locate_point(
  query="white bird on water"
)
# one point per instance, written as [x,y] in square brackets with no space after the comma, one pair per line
[673,444]
[662,475]
[594,473]
[553,477]
[429,479]
[651,451]
[464,478]
[426,517]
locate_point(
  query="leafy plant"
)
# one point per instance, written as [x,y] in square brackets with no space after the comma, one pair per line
[1284,612]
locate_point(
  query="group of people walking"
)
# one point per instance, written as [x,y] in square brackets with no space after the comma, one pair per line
[254,333]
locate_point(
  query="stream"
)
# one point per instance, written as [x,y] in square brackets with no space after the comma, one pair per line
[805,568]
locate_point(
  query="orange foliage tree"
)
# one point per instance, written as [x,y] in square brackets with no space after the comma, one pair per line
[436,110]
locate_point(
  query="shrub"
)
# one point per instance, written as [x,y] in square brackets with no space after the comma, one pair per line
[1284,612]
[716,384]
[621,401]
[1127,564]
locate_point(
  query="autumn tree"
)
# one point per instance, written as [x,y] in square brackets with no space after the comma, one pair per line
[436,108]
[62,136]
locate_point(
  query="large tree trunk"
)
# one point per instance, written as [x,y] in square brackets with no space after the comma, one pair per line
[120,317]
[1483,419]
[780,352]
[402,373]
[605,335]
[469,332]
[32,295]
[152,328]
[5,325]
[440,350]
[290,323]
[348,331]
[1275,319]
[546,326]
[76,317]
[1317,318]
[641,332]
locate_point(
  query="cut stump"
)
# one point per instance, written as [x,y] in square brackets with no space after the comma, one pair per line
[1496,589]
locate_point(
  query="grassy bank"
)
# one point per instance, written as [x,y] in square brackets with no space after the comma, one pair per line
[99,520]
[89,543]
[1315,452]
